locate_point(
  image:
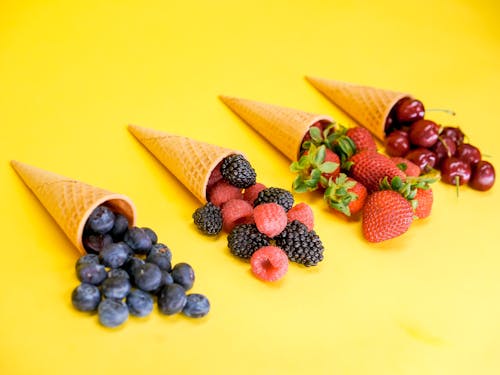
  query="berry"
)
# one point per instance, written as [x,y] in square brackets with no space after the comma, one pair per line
[214,178]
[300,244]
[387,214]
[483,176]
[115,255]
[269,263]
[183,274]
[101,220]
[171,299]
[118,272]
[252,192]
[315,168]
[86,297]
[112,312]
[408,110]
[275,195]
[208,219]
[455,171]
[245,239]
[397,143]
[197,306]
[234,212]
[270,219]
[468,153]
[424,199]
[161,256]
[222,192]
[345,195]
[94,243]
[116,287]
[362,139]
[91,273]
[87,259]
[236,170]
[151,234]
[139,303]
[147,276]
[138,240]
[119,228]
[408,167]
[303,213]
[423,133]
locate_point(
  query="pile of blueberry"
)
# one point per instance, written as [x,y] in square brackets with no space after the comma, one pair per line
[126,270]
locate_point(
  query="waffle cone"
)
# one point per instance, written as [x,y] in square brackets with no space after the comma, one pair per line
[283,127]
[191,161]
[369,106]
[71,202]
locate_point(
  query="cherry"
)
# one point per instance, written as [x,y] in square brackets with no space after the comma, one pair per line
[483,176]
[468,153]
[453,133]
[455,171]
[424,133]
[424,158]
[397,143]
[444,147]
[409,110]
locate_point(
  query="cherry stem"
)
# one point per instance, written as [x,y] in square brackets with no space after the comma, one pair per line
[457,184]
[448,111]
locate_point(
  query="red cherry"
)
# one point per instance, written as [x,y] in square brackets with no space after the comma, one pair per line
[424,133]
[397,143]
[455,171]
[443,148]
[468,153]
[424,158]
[453,133]
[483,176]
[409,110]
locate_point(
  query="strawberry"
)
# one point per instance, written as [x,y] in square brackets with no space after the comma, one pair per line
[369,168]
[386,214]
[345,195]
[424,199]
[408,167]
[362,138]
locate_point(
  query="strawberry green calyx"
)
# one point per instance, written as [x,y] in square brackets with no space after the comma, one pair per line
[318,137]
[338,194]
[310,169]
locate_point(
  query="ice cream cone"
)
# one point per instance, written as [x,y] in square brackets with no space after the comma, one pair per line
[71,202]
[284,127]
[369,106]
[191,161]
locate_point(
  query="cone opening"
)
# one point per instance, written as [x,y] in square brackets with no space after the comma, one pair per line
[117,203]
[215,163]
[323,120]
[386,126]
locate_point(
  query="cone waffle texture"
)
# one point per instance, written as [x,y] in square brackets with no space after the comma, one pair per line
[369,106]
[71,202]
[283,127]
[191,161]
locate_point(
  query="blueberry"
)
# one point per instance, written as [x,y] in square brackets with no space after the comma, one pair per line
[151,234]
[120,227]
[116,287]
[86,297]
[166,278]
[132,264]
[138,240]
[171,299]
[112,312]
[161,256]
[94,243]
[197,306]
[139,303]
[118,272]
[101,220]
[87,259]
[183,275]
[115,255]
[147,276]
[91,273]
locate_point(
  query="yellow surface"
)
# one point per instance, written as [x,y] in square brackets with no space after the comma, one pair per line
[73,74]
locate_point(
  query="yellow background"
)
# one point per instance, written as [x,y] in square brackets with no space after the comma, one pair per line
[73,74]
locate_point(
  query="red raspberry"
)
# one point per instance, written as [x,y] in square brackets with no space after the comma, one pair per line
[214,178]
[269,263]
[303,213]
[234,212]
[222,192]
[270,218]
[252,192]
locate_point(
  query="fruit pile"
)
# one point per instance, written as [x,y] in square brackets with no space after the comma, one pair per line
[432,146]
[264,225]
[126,269]
[357,180]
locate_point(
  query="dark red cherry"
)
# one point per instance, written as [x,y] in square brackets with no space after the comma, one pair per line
[468,153]
[423,133]
[443,148]
[397,143]
[409,110]
[424,158]
[453,133]
[483,176]
[455,171]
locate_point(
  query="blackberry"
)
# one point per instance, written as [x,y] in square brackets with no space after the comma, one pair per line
[245,239]
[275,195]
[208,219]
[300,245]
[236,170]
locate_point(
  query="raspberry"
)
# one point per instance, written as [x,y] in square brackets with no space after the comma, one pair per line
[301,246]
[214,178]
[222,192]
[237,171]
[270,219]
[252,192]
[275,195]
[234,212]
[303,213]
[208,219]
[245,239]
[269,263]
